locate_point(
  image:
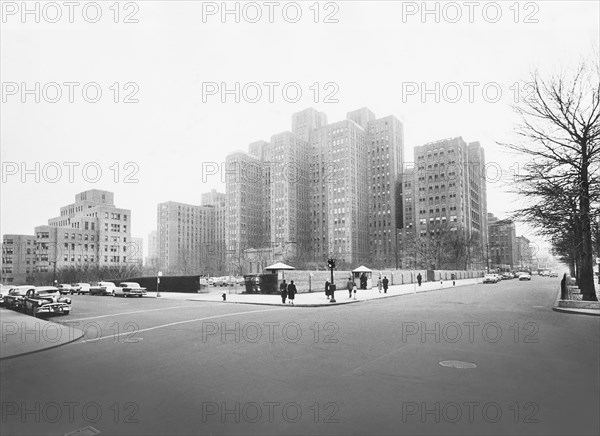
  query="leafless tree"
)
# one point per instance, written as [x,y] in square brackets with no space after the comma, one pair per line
[560,131]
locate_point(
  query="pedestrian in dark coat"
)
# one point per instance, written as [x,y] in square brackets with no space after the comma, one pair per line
[291,291]
[327,288]
[563,287]
[283,290]
[419,278]
[385,284]
[350,285]
[363,281]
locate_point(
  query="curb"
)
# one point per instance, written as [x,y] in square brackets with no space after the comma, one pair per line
[556,308]
[26,353]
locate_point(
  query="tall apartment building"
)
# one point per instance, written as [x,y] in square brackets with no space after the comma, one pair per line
[449,190]
[18,259]
[91,232]
[288,159]
[331,189]
[502,250]
[246,215]
[186,236]
[524,253]
[152,258]
[385,143]
[218,201]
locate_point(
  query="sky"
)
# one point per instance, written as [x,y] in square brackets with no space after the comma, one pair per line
[132,97]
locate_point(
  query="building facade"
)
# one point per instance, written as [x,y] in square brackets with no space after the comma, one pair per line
[89,233]
[503,244]
[446,209]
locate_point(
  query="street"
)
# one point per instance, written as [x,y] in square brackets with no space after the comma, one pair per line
[159,366]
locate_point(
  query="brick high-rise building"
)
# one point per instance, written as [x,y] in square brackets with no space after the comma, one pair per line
[450,195]
[186,235]
[18,259]
[91,232]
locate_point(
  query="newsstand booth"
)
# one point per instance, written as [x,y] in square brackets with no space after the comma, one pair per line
[359,272]
[278,270]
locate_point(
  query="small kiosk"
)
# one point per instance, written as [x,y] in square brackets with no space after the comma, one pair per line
[279,269]
[366,273]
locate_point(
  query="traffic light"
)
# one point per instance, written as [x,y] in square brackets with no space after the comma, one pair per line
[331,263]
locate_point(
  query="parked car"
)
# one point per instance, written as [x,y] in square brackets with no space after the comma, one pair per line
[45,300]
[553,274]
[81,288]
[15,299]
[129,289]
[65,288]
[524,276]
[3,291]
[103,288]
[498,276]
[507,276]
[490,278]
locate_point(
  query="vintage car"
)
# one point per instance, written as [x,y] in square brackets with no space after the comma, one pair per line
[490,278]
[65,288]
[80,288]
[524,276]
[129,289]
[46,300]
[103,288]
[15,299]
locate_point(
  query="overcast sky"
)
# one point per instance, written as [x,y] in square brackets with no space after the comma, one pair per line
[381,55]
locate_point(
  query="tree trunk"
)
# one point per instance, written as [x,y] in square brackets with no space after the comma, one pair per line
[586,273]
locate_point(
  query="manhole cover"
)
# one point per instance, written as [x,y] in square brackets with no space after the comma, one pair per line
[457,364]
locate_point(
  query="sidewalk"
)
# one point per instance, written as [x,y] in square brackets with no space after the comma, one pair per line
[24,334]
[591,308]
[316,299]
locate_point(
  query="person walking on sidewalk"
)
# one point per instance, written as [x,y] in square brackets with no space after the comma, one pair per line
[283,288]
[350,286]
[354,288]
[419,278]
[327,288]
[385,284]
[379,284]
[291,291]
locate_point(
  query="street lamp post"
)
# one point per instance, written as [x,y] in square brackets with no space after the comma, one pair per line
[158,276]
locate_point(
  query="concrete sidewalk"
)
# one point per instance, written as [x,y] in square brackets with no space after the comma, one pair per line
[579,307]
[316,299]
[24,334]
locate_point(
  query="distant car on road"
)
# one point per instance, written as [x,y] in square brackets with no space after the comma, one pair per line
[524,276]
[507,276]
[81,288]
[65,288]
[103,288]
[490,278]
[129,289]
[553,274]
[45,300]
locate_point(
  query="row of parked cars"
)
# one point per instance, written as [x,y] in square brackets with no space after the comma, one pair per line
[495,278]
[224,281]
[47,300]
[124,289]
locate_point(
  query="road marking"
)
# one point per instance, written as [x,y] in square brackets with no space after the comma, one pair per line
[179,323]
[137,311]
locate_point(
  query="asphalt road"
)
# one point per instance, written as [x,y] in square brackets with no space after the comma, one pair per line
[156,366]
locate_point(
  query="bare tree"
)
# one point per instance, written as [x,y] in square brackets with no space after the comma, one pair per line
[560,131]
